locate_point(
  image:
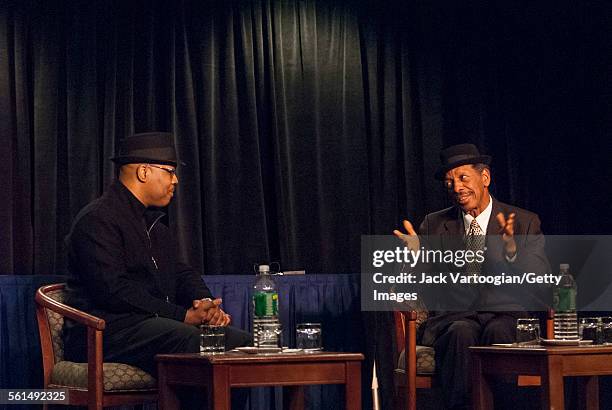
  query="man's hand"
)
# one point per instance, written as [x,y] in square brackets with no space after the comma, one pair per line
[506,228]
[411,240]
[207,311]
[214,315]
[200,310]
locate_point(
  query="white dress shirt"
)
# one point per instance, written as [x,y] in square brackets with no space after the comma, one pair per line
[482,219]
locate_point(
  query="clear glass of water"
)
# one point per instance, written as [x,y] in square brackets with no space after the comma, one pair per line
[212,339]
[591,329]
[309,337]
[606,329]
[527,332]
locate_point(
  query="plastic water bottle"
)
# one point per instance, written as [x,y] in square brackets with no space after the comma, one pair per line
[564,304]
[265,309]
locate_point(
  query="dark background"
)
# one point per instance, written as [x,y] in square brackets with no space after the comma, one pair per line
[305,124]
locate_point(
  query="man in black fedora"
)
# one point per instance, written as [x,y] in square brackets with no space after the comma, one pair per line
[511,240]
[124,267]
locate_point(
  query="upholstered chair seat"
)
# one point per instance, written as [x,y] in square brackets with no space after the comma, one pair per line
[94,383]
[118,377]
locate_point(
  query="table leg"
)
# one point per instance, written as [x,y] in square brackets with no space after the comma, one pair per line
[588,393]
[352,391]
[168,400]
[481,390]
[552,384]
[219,397]
[293,397]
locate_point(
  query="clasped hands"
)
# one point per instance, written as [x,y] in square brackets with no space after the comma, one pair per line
[206,311]
[506,229]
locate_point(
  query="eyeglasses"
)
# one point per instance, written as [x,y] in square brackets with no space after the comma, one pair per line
[171,171]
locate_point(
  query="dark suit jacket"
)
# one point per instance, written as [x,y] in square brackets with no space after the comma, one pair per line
[444,230]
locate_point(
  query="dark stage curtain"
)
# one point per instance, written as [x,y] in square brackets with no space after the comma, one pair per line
[294,119]
[304,124]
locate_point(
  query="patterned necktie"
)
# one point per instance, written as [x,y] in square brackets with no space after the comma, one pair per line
[474,241]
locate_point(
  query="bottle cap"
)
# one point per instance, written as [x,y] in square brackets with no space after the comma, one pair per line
[264,268]
[564,266]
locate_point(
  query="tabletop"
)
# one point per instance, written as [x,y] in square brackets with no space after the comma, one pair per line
[239,357]
[544,350]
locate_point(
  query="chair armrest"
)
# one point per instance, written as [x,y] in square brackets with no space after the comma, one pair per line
[410,341]
[95,368]
[65,310]
[410,325]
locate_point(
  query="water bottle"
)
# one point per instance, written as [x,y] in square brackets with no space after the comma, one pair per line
[564,304]
[265,310]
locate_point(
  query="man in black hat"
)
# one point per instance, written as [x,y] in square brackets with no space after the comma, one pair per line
[124,266]
[511,240]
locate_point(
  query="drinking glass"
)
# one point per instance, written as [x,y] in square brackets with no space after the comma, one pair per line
[606,329]
[309,337]
[590,329]
[527,332]
[212,339]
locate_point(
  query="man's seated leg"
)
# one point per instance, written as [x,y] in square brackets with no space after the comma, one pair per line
[139,344]
[501,328]
[453,360]
[235,337]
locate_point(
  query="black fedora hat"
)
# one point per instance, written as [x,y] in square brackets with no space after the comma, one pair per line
[457,155]
[147,147]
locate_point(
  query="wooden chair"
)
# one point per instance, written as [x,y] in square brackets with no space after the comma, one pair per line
[416,368]
[94,384]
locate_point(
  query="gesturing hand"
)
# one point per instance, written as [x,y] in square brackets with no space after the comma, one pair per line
[506,228]
[411,239]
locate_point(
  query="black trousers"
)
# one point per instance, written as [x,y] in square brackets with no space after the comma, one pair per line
[453,364]
[139,344]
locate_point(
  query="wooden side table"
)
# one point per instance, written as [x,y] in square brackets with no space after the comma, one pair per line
[551,363]
[219,373]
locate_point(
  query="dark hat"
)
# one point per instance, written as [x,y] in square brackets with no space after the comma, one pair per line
[457,155]
[147,147]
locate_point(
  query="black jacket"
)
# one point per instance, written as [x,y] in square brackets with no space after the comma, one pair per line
[123,263]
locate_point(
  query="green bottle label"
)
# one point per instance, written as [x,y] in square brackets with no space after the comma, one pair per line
[266,304]
[565,300]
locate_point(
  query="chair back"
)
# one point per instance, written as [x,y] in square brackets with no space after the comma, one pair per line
[56,325]
[50,326]
[95,384]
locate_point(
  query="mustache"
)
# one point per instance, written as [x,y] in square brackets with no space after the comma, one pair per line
[463,193]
